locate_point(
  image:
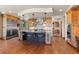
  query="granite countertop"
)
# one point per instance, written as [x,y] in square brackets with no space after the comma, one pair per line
[32,31]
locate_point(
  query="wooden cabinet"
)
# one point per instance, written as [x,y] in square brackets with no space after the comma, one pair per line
[74,18]
[69,17]
[13,18]
[73,21]
[10,23]
[48,21]
[31,22]
[57,28]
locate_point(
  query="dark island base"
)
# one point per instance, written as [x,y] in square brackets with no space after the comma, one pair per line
[38,37]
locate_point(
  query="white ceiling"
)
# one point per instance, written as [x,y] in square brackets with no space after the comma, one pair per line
[19,8]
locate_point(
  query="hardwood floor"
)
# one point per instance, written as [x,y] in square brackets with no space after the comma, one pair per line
[15,46]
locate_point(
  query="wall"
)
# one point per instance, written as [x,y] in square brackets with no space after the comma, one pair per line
[4,26]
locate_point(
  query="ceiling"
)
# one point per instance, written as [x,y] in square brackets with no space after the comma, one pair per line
[57,9]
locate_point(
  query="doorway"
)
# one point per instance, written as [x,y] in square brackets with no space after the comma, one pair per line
[57,28]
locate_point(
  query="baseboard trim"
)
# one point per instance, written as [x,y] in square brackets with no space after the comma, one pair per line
[71,45]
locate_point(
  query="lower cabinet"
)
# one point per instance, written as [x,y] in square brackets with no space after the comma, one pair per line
[40,37]
[11,33]
[77,42]
[34,37]
[24,35]
[30,36]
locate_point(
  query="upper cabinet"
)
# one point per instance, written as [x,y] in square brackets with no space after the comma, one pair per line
[12,20]
[73,16]
[73,19]
[48,21]
[69,17]
[31,22]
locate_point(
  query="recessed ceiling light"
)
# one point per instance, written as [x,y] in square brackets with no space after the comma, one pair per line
[3,12]
[60,10]
[10,11]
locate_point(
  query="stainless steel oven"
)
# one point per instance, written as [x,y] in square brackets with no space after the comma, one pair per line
[11,33]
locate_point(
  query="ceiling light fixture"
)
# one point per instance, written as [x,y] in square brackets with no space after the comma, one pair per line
[60,10]
[9,11]
[3,12]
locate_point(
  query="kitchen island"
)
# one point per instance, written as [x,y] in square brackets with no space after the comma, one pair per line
[36,36]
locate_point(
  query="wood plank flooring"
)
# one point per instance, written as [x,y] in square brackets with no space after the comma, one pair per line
[15,46]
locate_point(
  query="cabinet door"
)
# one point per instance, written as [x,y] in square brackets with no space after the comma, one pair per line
[78,19]
[75,18]
[77,31]
[69,18]
[74,30]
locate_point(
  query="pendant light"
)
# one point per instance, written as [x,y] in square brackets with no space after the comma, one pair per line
[23,21]
[45,16]
[44,24]
[33,18]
